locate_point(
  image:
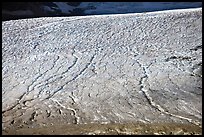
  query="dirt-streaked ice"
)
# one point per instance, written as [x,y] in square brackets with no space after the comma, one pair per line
[101,69]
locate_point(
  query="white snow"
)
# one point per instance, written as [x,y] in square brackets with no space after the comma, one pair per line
[64,7]
[46,8]
[131,7]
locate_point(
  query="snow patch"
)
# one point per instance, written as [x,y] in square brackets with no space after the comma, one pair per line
[133,7]
[64,7]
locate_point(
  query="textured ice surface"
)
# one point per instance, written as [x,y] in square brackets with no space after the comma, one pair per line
[111,68]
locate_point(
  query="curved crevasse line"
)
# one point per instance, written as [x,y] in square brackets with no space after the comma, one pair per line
[77,118]
[153,104]
[74,78]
